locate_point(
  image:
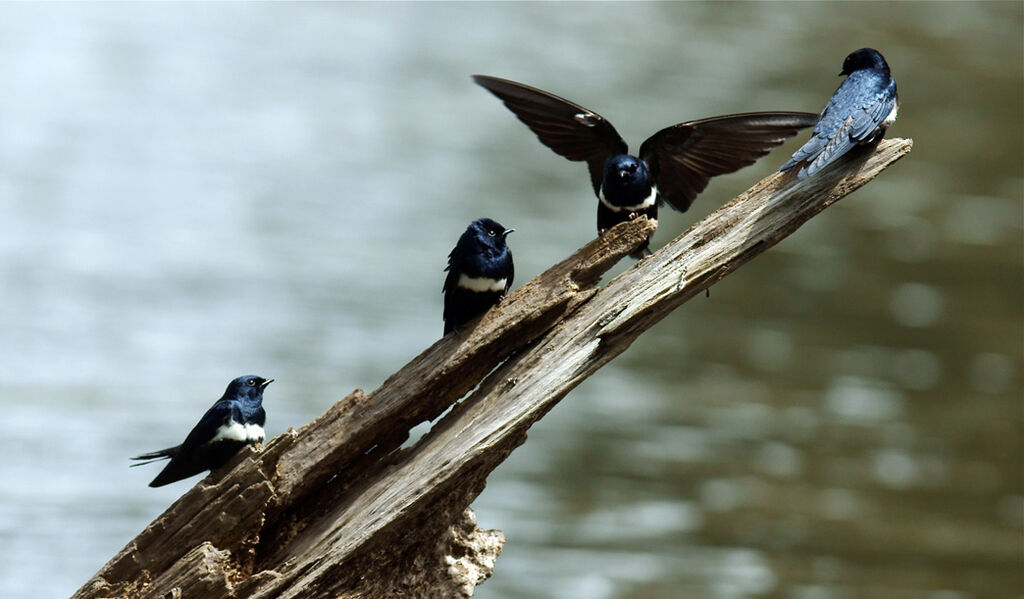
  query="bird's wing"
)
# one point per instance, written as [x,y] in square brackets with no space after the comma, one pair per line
[832,148]
[684,157]
[453,276]
[511,273]
[853,114]
[569,129]
[203,431]
[221,413]
[450,283]
[876,109]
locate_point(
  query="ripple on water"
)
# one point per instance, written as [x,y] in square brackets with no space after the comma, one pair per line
[895,468]
[780,460]
[643,521]
[914,241]
[1011,510]
[992,373]
[839,504]
[862,399]
[813,591]
[798,423]
[720,495]
[727,494]
[770,350]
[745,572]
[673,444]
[917,369]
[981,220]
[916,304]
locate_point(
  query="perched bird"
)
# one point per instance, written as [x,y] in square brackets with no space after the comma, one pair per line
[674,164]
[480,272]
[235,420]
[859,113]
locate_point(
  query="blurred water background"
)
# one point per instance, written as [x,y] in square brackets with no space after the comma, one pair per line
[191,192]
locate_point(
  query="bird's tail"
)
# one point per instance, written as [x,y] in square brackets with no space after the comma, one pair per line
[156,456]
[807,152]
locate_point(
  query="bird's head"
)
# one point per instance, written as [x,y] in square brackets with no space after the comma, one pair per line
[488,234]
[865,58]
[625,179]
[624,169]
[249,386]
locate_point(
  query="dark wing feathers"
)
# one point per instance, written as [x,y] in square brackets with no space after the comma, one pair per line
[569,129]
[453,276]
[221,413]
[511,272]
[830,149]
[855,111]
[867,121]
[203,431]
[684,157]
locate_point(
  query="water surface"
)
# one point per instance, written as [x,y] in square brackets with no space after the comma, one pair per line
[192,192]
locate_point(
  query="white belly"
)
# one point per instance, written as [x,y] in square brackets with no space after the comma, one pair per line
[254,433]
[644,205]
[232,431]
[889,120]
[481,284]
[236,431]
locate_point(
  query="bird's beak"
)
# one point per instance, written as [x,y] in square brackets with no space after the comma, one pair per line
[507,231]
[264,384]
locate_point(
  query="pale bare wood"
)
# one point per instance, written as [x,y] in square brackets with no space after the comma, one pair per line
[333,510]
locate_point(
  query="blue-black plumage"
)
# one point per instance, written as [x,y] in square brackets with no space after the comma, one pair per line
[234,421]
[674,165]
[859,113]
[480,272]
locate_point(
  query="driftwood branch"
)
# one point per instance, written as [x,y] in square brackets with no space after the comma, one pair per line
[337,509]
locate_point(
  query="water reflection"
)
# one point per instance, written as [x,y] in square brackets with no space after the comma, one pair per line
[192,192]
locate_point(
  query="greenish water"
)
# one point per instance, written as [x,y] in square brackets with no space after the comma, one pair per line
[192,192]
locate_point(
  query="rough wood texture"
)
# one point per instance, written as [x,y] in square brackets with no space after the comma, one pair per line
[335,509]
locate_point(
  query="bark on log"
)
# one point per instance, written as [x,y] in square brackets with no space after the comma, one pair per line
[336,509]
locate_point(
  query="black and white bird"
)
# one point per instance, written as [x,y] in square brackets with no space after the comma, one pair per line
[480,272]
[674,165]
[860,111]
[233,422]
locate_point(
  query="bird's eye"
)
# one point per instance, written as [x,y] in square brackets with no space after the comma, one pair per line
[491,233]
[251,382]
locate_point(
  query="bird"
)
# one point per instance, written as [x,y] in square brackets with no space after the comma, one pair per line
[673,166]
[234,421]
[480,272]
[860,111]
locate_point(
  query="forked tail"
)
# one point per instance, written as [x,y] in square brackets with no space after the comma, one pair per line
[156,456]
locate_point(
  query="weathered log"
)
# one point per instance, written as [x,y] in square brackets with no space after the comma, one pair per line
[336,509]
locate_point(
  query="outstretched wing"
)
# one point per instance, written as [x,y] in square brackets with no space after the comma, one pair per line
[569,129]
[683,158]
